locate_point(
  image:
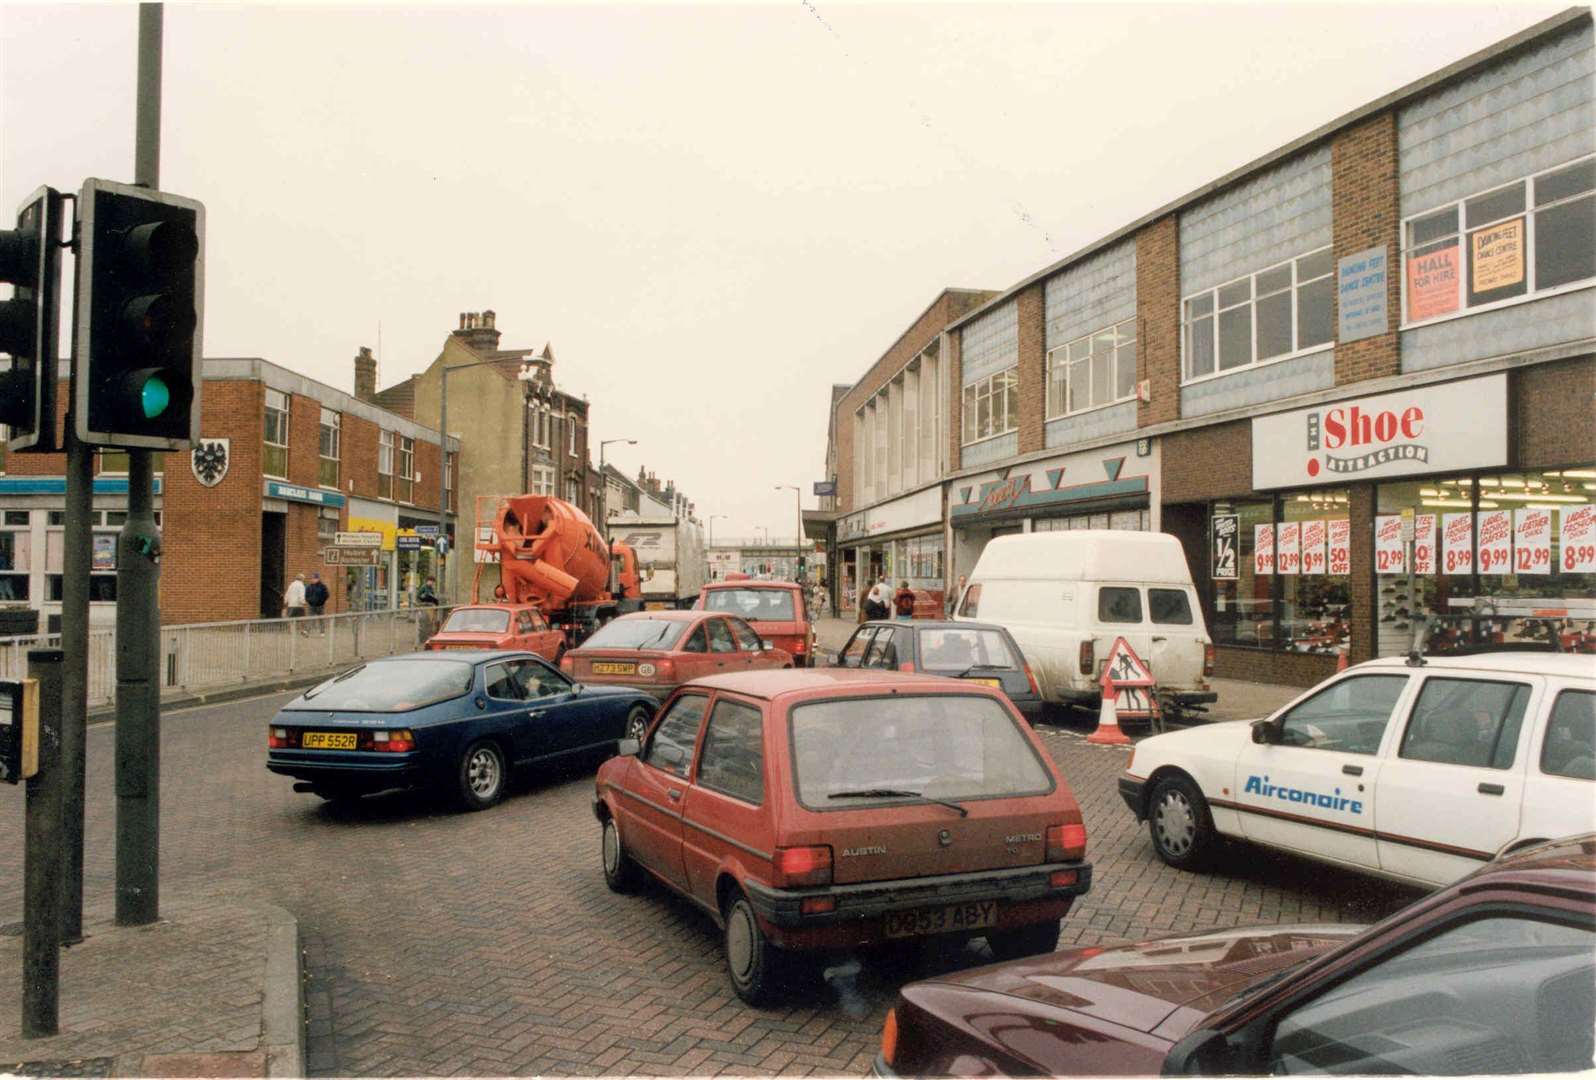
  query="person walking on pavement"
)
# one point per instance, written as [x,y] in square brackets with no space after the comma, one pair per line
[294,598]
[903,603]
[958,593]
[428,593]
[876,602]
[316,597]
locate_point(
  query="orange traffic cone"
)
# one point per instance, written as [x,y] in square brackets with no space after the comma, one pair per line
[1108,732]
[1341,660]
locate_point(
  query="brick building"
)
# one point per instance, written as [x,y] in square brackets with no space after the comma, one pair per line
[1383,329]
[285,462]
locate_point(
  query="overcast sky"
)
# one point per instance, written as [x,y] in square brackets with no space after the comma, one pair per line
[713,213]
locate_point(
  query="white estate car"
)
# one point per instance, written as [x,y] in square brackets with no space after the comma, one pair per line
[1419,773]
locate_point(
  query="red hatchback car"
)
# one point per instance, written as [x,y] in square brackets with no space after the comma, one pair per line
[499,626]
[775,609]
[832,809]
[657,651]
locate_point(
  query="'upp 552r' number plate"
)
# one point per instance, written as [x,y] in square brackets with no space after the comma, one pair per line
[943,920]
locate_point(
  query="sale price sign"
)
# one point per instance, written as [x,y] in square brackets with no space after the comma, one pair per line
[1389,554]
[1313,533]
[1532,541]
[1424,544]
[1288,556]
[1263,549]
[1340,545]
[1457,543]
[1579,539]
[1494,542]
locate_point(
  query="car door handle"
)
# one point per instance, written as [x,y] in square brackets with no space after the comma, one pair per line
[674,793]
[1352,770]
[1491,789]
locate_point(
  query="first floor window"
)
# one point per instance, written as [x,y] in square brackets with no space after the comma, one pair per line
[1273,313]
[331,432]
[274,460]
[992,405]
[405,479]
[1091,371]
[385,460]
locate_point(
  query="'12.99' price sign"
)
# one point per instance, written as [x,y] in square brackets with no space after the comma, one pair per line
[1495,542]
[1579,540]
[1532,541]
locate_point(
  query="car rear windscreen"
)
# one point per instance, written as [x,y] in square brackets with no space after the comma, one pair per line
[477,621]
[769,604]
[637,634]
[390,686]
[944,746]
[961,650]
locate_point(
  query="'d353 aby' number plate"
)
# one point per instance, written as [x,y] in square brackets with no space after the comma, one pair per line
[976,915]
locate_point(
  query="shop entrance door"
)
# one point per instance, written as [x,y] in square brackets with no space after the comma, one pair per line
[273,538]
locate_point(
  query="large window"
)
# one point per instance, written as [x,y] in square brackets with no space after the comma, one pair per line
[543,480]
[385,449]
[1092,371]
[274,461]
[331,429]
[404,483]
[1280,572]
[1274,313]
[992,405]
[14,563]
[1531,236]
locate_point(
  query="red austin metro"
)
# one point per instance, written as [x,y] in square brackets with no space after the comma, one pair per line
[830,809]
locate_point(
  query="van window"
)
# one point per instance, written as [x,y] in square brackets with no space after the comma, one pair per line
[1169,606]
[972,601]
[1119,605]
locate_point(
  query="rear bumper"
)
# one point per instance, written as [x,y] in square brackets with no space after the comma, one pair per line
[1131,789]
[373,775]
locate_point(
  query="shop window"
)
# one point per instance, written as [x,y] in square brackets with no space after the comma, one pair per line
[1119,605]
[1512,242]
[331,432]
[992,405]
[1092,371]
[1274,313]
[274,458]
[1280,572]
[102,577]
[385,456]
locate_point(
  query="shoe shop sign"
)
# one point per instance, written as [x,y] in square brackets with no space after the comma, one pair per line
[1416,432]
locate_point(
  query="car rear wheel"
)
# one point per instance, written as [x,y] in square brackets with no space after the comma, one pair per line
[759,970]
[1026,941]
[1179,822]
[636,723]
[482,775]
[621,874]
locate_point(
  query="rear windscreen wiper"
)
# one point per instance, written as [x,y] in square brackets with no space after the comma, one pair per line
[896,793]
[981,667]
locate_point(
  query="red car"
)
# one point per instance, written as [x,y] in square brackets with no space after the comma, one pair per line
[520,627]
[825,810]
[657,651]
[775,609]
[1494,974]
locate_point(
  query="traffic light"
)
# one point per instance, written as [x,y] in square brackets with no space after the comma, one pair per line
[30,261]
[140,294]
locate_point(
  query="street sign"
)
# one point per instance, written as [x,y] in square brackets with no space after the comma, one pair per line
[425,530]
[358,539]
[407,543]
[351,556]
[1127,677]
[443,546]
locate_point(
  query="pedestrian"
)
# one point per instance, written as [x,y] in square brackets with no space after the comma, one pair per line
[903,603]
[876,601]
[294,598]
[500,596]
[428,593]
[957,594]
[316,596]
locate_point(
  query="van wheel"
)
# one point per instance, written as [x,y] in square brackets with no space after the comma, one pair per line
[1026,941]
[759,971]
[1178,820]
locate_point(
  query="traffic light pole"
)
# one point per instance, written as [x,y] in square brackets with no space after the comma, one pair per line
[138,620]
[76,565]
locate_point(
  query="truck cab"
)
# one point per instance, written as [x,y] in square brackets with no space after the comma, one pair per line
[775,609]
[499,626]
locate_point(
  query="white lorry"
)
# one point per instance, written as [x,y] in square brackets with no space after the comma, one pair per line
[671,562]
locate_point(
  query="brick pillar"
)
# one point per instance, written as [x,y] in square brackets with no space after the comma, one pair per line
[955,363]
[1158,320]
[1030,311]
[1366,214]
[1360,511]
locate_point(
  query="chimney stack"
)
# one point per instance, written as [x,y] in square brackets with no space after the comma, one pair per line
[477,330]
[365,375]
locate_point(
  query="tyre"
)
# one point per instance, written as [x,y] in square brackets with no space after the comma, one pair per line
[636,724]
[1025,941]
[621,873]
[1178,820]
[482,775]
[759,971]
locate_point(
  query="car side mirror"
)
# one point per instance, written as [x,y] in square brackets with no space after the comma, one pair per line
[1204,1052]
[630,747]
[1265,733]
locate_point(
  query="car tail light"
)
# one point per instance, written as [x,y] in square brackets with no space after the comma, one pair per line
[817,905]
[277,738]
[1065,842]
[1063,879]
[1208,660]
[567,664]
[802,866]
[665,669]
[1088,657]
[906,666]
[400,741]
[889,1036]
[1037,690]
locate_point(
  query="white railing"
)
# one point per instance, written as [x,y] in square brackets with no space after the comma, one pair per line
[210,656]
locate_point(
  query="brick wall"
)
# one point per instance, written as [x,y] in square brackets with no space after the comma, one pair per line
[1277,668]
[1365,213]
[1158,320]
[1554,412]
[1360,513]
[1030,311]
[1207,463]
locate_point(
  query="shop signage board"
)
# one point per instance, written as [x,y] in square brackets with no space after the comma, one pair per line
[913,511]
[1494,542]
[295,493]
[1457,543]
[1389,551]
[1053,485]
[1263,549]
[1288,554]
[1226,529]
[1424,543]
[408,542]
[1361,308]
[1433,283]
[1579,539]
[1418,431]
[358,539]
[1339,545]
[824,488]
[1313,544]
[1532,541]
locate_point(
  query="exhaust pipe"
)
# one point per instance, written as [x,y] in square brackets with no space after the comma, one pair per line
[303,787]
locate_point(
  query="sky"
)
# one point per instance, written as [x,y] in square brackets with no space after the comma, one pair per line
[712,213]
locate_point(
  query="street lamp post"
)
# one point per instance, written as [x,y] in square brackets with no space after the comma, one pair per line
[609,553]
[798,502]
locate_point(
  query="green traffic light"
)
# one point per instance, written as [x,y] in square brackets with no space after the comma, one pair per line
[155,397]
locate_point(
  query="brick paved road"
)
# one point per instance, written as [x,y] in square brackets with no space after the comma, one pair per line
[440,943]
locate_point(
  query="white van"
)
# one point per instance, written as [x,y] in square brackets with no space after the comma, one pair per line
[1065,596]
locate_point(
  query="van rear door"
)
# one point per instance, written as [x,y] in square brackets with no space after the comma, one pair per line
[1177,636]
[1120,610]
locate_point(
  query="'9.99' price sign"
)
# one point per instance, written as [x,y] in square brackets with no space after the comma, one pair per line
[1495,542]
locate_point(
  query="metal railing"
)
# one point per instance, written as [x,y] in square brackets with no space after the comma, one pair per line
[202,657]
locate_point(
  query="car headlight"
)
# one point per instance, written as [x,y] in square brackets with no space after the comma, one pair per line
[645,669]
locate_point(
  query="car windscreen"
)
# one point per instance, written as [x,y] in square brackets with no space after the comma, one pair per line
[390,686]
[964,649]
[769,604]
[637,634]
[478,621]
[944,746]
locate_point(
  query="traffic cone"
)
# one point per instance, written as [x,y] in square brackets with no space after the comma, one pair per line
[1341,660]
[1108,732]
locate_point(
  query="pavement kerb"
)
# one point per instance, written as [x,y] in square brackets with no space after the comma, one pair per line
[105,714]
[283,997]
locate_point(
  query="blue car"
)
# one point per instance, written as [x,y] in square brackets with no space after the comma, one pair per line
[455,721]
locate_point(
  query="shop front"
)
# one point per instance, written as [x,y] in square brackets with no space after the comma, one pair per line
[370,588]
[900,540]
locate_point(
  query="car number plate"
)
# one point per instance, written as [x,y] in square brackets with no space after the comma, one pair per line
[329,740]
[460,646]
[990,682]
[976,915]
[601,668]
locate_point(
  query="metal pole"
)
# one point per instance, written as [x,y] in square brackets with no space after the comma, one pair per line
[41,859]
[443,464]
[77,561]
[138,620]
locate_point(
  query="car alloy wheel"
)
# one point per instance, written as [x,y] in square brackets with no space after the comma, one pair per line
[482,775]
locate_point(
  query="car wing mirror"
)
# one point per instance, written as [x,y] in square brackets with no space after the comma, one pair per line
[629,747]
[1204,1052]
[1265,733]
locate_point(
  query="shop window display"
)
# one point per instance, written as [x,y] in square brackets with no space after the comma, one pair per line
[1280,572]
[1243,598]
